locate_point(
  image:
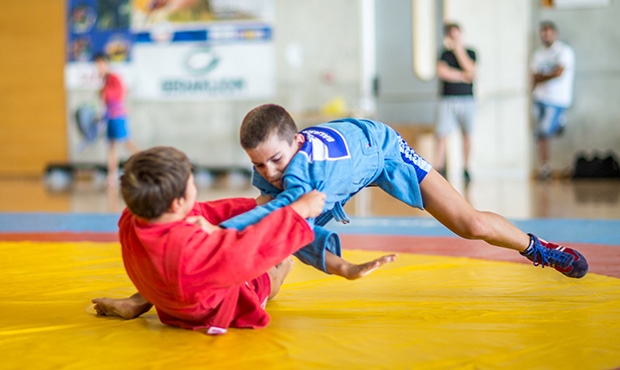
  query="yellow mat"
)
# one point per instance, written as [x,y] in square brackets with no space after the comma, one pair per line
[421,312]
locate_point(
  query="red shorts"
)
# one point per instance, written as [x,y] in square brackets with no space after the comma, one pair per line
[262,286]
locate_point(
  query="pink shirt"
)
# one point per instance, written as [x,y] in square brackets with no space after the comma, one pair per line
[113,94]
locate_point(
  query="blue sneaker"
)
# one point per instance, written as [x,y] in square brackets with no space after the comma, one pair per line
[566,260]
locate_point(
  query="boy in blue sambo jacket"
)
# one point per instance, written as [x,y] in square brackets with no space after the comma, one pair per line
[340,158]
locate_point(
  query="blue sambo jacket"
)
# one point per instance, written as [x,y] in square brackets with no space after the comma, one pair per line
[339,158]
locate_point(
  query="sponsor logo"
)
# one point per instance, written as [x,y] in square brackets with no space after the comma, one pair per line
[324,144]
[221,86]
[201,61]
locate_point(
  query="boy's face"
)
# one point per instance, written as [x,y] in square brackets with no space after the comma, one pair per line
[102,67]
[272,156]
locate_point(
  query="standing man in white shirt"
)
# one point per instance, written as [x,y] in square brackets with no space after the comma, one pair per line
[553,72]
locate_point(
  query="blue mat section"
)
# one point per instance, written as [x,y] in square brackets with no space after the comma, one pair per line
[557,230]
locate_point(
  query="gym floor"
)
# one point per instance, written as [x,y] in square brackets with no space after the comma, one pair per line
[444,303]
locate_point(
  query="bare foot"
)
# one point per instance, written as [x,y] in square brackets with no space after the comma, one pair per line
[125,308]
[352,271]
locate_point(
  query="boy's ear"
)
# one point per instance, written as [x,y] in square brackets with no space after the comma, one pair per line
[299,140]
[176,204]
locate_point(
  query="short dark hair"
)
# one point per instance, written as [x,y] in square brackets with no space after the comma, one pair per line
[262,121]
[101,56]
[547,24]
[152,179]
[449,26]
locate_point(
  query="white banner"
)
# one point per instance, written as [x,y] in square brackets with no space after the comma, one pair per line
[83,75]
[196,71]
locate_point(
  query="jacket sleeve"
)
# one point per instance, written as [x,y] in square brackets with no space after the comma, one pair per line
[230,257]
[219,210]
[294,188]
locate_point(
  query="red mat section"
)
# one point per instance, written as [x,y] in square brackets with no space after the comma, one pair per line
[603,259]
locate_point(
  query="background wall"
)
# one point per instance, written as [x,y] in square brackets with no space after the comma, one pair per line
[327,35]
[498,31]
[32,103]
[323,34]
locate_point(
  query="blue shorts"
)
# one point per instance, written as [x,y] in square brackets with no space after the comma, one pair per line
[403,169]
[548,119]
[117,129]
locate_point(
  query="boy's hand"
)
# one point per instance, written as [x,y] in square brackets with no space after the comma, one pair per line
[263,199]
[203,223]
[310,204]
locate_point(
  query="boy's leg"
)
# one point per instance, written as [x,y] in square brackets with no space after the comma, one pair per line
[112,163]
[131,146]
[338,266]
[444,203]
[126,308]
[277,274]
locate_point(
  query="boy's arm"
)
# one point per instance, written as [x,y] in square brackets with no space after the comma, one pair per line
[293,190]
[230,257]
[220,210]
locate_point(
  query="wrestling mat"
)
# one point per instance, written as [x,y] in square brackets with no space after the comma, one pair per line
[420,312]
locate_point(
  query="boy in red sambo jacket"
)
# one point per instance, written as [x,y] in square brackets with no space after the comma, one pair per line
[198,275]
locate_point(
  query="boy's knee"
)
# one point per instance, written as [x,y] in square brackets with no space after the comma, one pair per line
[277,274]
[475,228]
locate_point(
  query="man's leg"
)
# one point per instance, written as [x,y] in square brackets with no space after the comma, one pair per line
[440,155]
[446,121]
[467,121]
[544,170]
[466,151]
[548,119]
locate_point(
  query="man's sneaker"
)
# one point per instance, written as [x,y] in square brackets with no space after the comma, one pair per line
[566,260]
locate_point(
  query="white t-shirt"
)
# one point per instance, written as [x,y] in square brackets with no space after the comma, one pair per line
[559,90]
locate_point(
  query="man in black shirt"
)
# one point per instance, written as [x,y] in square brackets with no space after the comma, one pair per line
[456,70]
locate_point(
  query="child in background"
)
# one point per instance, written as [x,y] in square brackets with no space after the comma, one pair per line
[198,275]
[340,158]
[113,96]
